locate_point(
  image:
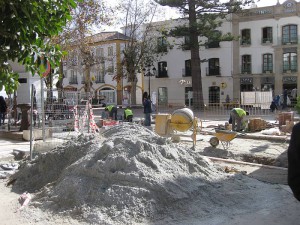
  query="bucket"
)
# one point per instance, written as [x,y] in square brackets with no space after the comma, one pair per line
[182,119]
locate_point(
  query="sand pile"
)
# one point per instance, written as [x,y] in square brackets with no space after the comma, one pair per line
[131,175]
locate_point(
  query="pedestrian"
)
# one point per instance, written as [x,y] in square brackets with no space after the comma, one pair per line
[128,114]
[147,109]
[277,101]
[285,99]
[112,111]
[294,161]
[3,109]
[273,106]
[237,116]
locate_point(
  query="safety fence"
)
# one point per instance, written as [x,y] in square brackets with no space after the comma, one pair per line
[68,114]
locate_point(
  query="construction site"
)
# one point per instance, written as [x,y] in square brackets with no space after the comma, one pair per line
[186,168]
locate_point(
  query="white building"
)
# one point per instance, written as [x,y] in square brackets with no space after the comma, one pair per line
[264,58]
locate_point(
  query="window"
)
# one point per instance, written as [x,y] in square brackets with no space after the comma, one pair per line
[162,96]
[110,51]
[290,62]
[162,69]
[73,77]
[267,35]
[246,37]
[246,64]
[213,67]
[82,78]
[187,43]
[213,40]
[267,63]
[99,77]
[102,68]
[99,52]
[289,34]
[162,44]
[187,69]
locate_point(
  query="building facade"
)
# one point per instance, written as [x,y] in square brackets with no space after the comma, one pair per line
[267,51]
[263,58]
[106,49]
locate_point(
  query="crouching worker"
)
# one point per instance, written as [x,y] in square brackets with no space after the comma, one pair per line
[112,112]
[237,116]
[128,114]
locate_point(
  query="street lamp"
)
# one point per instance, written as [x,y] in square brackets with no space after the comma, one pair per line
[148,72]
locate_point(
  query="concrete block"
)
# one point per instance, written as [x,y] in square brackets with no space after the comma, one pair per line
[36,134]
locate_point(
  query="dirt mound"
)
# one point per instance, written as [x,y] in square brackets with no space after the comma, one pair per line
[130,175]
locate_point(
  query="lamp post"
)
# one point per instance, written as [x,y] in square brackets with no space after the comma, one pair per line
[148,72]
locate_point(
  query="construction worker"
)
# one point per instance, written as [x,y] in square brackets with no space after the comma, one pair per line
[128,114]
[112,111]
[236,116]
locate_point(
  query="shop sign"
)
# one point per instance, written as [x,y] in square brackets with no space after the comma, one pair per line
[246,80]
[289,80]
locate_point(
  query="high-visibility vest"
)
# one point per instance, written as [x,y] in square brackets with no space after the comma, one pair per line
[109,108]
[240,112]
[128,112]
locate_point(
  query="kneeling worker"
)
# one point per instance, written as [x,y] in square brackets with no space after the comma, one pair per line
[128,114]
[236,116]
[112,111]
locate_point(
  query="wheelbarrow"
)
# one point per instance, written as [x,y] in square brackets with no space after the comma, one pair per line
[223,136]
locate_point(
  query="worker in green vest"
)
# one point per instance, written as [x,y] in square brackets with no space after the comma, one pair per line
[112,111]
[237,116]
[128,114]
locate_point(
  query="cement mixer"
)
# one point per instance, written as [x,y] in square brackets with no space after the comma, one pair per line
[180,120]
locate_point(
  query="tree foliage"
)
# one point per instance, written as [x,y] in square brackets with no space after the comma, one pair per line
[140,50]
[203,18]
[76,37]
[25,29]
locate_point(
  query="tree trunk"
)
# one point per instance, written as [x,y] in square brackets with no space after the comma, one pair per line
[198,102]
[59,84]
[87,82]
[133,92]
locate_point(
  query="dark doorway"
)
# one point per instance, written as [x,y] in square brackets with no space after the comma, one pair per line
[214,95]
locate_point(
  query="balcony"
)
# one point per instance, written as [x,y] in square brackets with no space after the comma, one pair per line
[162,48]
[294,70]
[268,71]
[162,74]
[213,71]
[212,44]
[267,41]
[186,72]
[99,79]
[245,42]
[73,81]
[245,70]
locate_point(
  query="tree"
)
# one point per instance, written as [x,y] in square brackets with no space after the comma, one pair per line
[140,47]
[25,29]
[77,39]
[203,16]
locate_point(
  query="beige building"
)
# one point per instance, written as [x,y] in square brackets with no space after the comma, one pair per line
[267,54]
[107,51]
